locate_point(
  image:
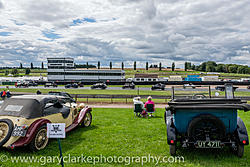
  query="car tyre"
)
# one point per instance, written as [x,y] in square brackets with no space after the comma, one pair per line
[40,140]
[5,124]
[172,149]
[211,121]
[87,119]
[240,150]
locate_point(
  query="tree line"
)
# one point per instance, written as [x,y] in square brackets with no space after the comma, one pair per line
[211,66]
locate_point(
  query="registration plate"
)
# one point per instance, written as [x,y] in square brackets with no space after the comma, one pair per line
[19,131]
[208,144]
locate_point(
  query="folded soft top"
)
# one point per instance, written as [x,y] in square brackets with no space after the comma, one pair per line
[208,104]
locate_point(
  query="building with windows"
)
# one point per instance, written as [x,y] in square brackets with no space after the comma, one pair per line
[63,69]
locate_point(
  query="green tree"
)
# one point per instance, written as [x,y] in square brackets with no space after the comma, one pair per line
[185,66]
[7,72]
[220,68]
[193,67]
[87,65]
[110,65]
[242,69]
[173,66]
[189,65]
[134,65]
[122,66]
[31,65]
[210,66]
[160,67]
[21,66]
[14,71]
[146,65]
[232,69]
[42,65]
[98,65]
[27,71]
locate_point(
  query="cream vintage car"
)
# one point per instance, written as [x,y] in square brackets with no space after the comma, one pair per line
[23,119]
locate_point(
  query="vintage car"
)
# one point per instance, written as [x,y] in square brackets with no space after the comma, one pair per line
[23,119]
[206,123]
[222,88]
[71,85]
[50,84]
[158,86]
[190,85]
[21,84]
[99,86]
[128,85]
[32,83]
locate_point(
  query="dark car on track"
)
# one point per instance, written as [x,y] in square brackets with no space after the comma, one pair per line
[71,85]
[32,83]
[128,85]
[158,86]
[222,88]
[248,87]
[50,84]
[99,86]
[190,85]
[22,84]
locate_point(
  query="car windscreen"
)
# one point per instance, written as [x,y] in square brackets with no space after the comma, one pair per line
[26,108]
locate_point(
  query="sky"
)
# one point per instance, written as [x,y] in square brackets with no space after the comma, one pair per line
[151,31]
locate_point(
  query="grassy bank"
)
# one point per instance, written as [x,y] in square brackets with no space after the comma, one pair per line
[115,132]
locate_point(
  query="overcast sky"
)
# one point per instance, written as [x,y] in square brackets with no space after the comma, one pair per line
[156,31]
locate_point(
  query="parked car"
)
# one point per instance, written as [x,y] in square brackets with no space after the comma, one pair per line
[50,84]
[158,86]
[222,88]
[128,85]
[206,123]
[32,83]
[71,85]
[21,84]
[99,86]
[80,84]
[248,87]
[23,119]
[67,97]
[190,85]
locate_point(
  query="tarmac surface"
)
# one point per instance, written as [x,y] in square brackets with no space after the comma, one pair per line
[140,87]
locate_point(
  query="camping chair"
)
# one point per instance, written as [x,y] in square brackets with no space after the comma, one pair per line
[150,108]
[137,110]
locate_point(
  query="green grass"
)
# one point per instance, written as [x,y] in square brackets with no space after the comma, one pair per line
[115,132]
[119,92]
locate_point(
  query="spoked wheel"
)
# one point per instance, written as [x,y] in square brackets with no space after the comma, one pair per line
[87,120]
[172,149]
[40,140]
[6,128]
[206,126]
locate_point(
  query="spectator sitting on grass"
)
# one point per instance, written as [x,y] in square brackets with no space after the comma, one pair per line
[150,102]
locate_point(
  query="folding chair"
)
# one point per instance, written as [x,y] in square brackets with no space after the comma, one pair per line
[137,110]
[150,108]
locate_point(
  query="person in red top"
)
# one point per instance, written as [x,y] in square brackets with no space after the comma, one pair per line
[149,102]
[3,94]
